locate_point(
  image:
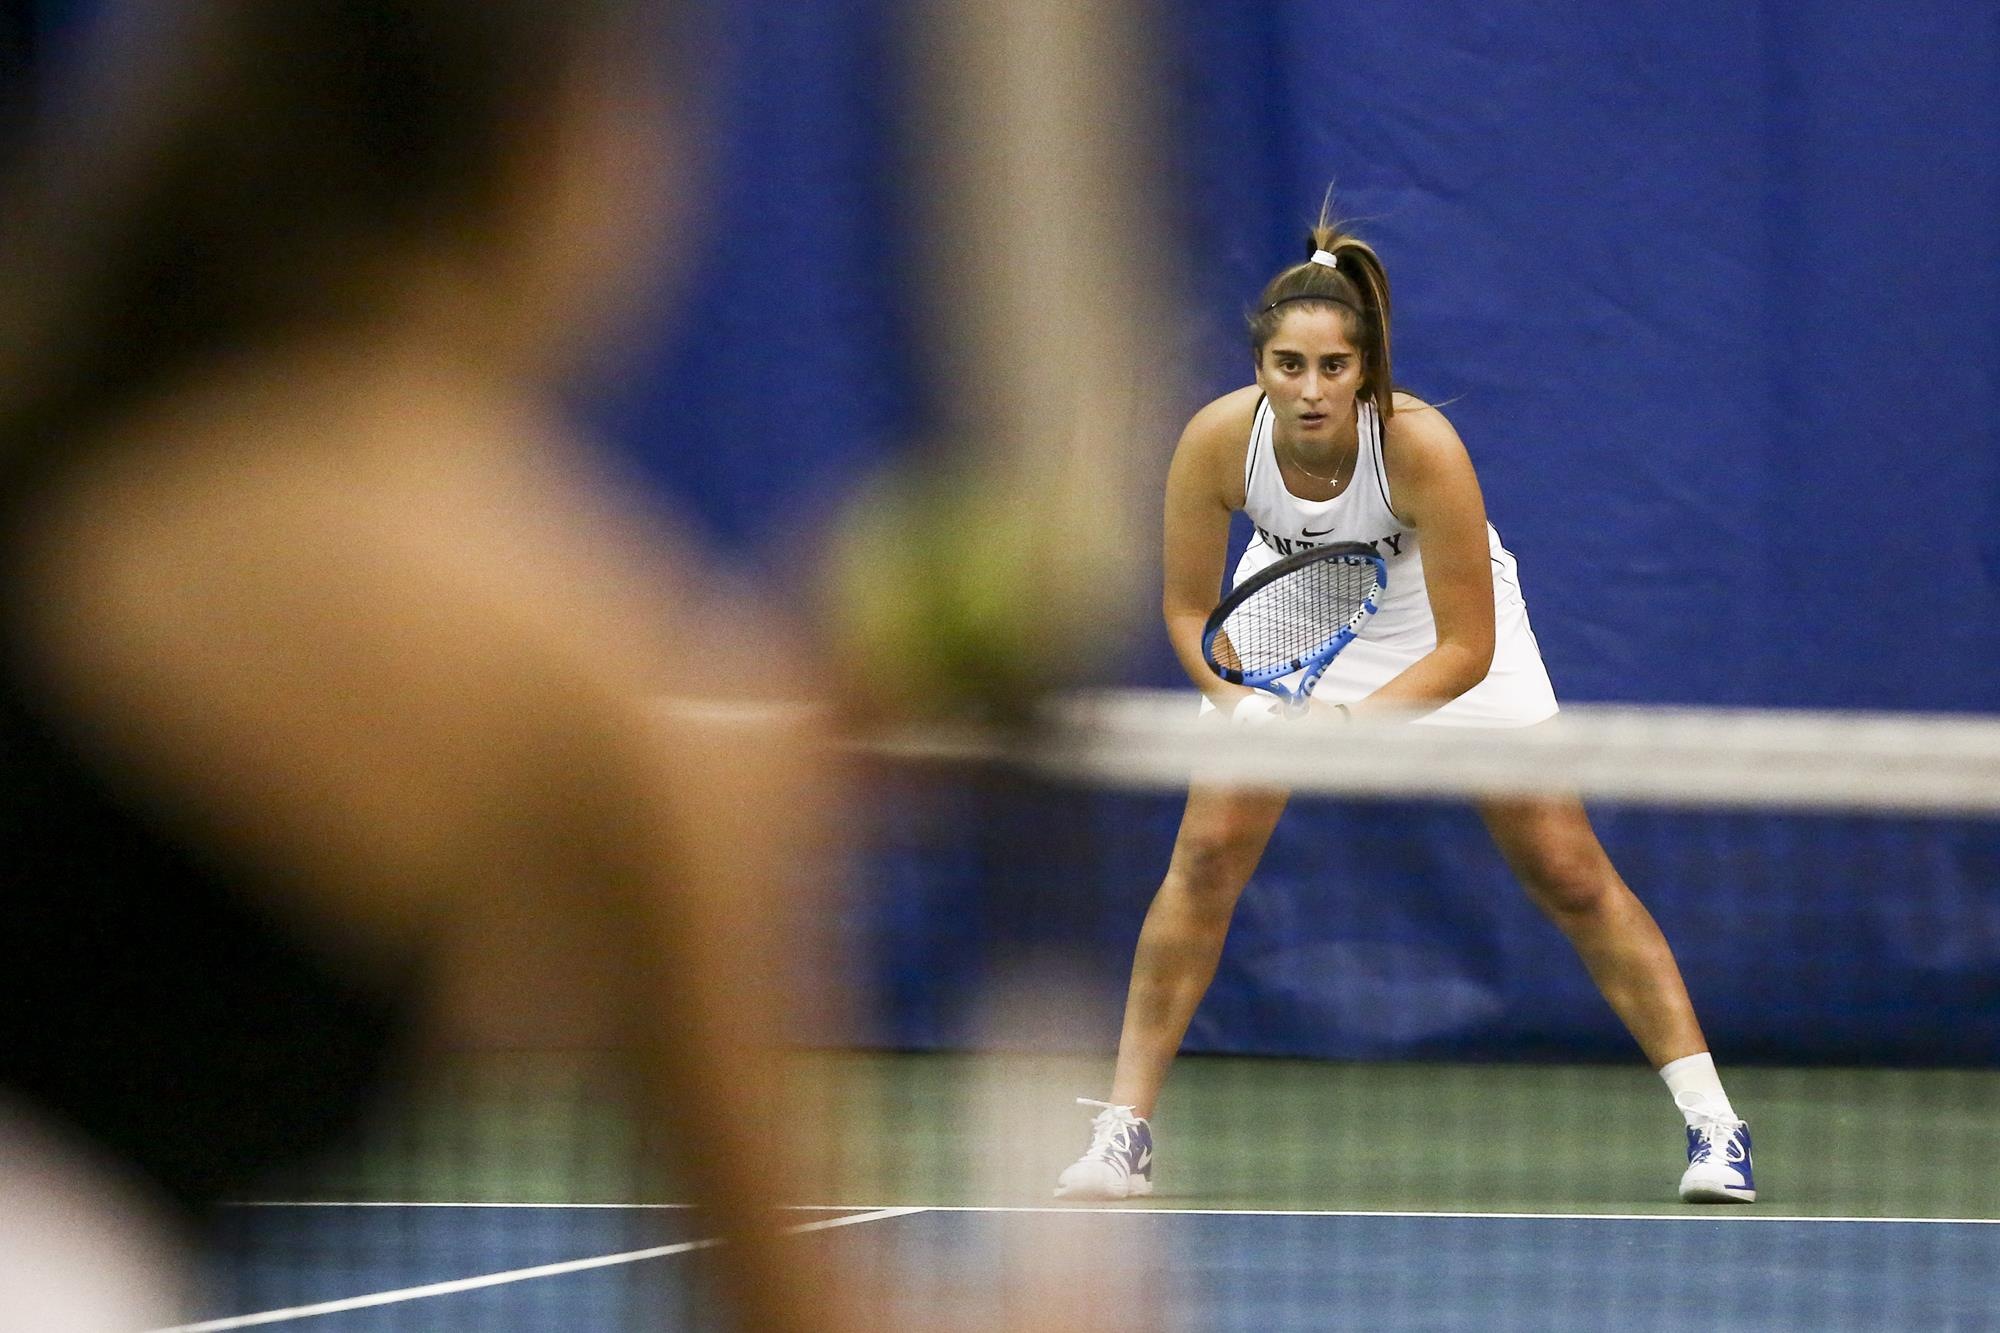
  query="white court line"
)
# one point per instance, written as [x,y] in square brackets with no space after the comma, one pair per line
[1703,1213]
[501,1279]
[1709,1213]
[460,1203]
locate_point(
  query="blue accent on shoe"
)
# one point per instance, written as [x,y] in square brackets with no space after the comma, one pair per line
[1131,1147]
[1706,1144]
[1119,1162]
[1139,1149]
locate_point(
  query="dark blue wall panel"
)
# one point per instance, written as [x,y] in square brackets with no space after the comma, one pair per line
[1712,292]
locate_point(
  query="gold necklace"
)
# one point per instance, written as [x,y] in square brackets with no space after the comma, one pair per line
[1333,480]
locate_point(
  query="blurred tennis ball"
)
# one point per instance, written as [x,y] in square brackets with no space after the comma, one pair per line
[950,597]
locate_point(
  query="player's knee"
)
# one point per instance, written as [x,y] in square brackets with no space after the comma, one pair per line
[1569,881]
[1214,865]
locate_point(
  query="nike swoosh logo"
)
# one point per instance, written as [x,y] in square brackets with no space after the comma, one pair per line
[1310,533]
[1145,1158]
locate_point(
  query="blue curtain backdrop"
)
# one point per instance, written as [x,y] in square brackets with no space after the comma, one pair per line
[1712,291]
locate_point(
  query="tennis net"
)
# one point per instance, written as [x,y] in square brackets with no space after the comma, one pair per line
[1403,1102]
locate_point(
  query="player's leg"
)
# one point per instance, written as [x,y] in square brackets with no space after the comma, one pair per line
[1566,872]
[1556,855]
[1222,835]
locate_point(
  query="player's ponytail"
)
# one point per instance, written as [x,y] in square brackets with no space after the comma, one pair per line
[1344,272]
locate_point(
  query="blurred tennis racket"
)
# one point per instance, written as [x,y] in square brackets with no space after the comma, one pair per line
[1294,616]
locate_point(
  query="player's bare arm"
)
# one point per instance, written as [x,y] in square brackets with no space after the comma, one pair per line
[1204,487]
[1437,493]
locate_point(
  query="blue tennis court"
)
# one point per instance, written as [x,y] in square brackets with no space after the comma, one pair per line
[1454,1202]
[499,1267]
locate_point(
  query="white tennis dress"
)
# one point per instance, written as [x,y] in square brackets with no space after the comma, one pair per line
[1516,691]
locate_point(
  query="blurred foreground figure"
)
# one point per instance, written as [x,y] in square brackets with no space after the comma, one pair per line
[322,639]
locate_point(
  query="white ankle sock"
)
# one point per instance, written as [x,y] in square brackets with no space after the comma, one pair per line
[1692,1081]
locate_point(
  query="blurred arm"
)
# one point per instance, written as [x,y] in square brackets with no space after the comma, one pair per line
[400,720]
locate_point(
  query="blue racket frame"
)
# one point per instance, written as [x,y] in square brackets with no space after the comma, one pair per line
[1315,663]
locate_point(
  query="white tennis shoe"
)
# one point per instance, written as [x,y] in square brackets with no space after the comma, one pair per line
[1718,1169]
[1119,1161]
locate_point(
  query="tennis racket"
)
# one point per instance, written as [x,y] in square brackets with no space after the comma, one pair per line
[1292,616]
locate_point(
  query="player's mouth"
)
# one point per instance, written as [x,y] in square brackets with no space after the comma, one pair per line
[1311,419]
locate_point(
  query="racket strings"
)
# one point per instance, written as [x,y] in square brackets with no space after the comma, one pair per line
[1293,618]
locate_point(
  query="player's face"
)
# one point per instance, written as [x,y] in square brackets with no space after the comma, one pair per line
[1311,373]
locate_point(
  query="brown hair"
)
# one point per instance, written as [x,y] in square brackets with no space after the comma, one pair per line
[1356,286]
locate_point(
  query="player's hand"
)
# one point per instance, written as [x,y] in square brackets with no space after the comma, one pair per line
[1318,710]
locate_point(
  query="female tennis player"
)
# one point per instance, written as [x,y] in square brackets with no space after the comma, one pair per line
[1322,449]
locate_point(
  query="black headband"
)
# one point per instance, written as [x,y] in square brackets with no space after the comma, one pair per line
[1312,296]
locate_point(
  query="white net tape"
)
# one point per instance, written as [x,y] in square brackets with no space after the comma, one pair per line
[1930,763]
